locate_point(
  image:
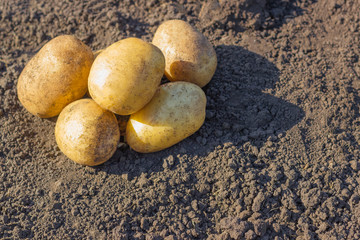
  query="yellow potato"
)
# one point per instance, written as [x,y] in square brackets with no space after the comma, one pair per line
[189,55]
[86,133]
[125,75]
[176,112]
[55,76]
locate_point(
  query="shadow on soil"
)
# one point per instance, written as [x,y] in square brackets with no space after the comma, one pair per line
[245,14]
[238,111]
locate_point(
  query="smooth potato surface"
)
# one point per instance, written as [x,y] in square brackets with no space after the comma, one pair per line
[189,55]
[176,112]
[56,76]
[125,75]
[86,133]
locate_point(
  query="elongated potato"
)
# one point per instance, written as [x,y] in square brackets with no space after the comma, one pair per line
[86,133]
[55,76]
[125,75]
[176,112]
[189,55]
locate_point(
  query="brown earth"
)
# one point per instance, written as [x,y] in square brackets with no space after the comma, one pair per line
[278,155]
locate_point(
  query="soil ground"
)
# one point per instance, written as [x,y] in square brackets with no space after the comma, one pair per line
[277,157]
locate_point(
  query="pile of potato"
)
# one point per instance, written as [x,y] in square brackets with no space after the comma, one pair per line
[123,79]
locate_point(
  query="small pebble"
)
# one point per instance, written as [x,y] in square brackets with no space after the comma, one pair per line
[125,176]
[170,160]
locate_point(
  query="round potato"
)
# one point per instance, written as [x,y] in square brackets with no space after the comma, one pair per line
[176,112]
[86,133]
[125,75]
[56,76]
[189,55]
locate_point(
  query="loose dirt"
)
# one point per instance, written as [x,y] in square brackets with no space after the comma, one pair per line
[277,157]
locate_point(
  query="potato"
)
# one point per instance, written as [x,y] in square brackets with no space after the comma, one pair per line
[176,112]
[86,133]
[55,76]
[125,75]
[189,55]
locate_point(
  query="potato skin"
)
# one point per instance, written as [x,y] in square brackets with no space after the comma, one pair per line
[189,55]
[125,75]
[55,76]
[176,111]
[86,133]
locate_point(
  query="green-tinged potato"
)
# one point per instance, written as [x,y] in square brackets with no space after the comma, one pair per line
[189,55]
[125,75]
[56,76]
[86,133]
[176,112]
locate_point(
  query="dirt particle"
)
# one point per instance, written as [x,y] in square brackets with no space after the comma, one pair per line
[276,227]
[260,227]
[125,176]
[249,235]
[355,165]
[144,224]
[311,198]
[168,162]
[258,201]
[232,163]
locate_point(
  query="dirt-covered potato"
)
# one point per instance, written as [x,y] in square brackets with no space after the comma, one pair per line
[86,133]
[56,76]
[189,55]
[176,112]
[125,75]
